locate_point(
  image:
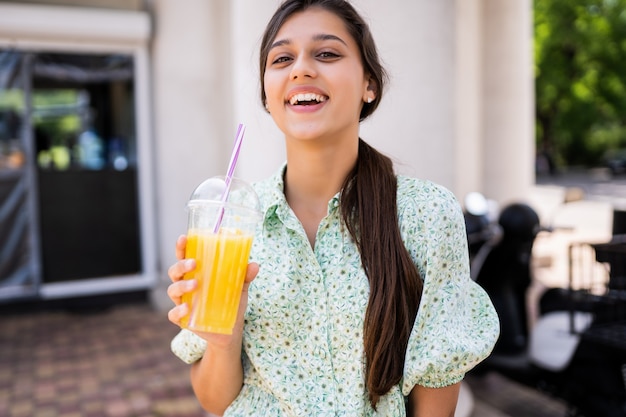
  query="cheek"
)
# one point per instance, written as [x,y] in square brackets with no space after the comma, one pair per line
[354,90]
[357,86]
[271,86]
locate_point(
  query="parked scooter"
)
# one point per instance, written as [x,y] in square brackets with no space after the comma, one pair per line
[481,221]
[554,356]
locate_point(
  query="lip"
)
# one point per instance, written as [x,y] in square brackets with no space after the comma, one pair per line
[303,90]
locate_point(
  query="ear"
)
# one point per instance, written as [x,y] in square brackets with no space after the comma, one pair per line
[371,85]
[370,91]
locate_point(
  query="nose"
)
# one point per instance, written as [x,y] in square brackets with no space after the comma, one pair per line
[303,67]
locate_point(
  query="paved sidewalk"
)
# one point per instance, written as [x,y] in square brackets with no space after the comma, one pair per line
[117,363]
[497,396]
[113,363]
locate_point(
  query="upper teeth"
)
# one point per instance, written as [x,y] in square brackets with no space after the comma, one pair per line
[306,97]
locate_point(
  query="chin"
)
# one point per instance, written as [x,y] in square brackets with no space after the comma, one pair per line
[305,133]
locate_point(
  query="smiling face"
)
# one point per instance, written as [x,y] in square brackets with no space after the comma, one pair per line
[315,84]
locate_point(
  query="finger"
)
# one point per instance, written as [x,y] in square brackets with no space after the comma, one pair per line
[178,270]
[181,244]
[177,313]
[176,290]
[252,271]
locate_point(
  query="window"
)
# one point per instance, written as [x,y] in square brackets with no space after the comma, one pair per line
[68,168]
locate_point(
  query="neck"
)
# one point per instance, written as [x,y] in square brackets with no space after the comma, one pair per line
[316,173]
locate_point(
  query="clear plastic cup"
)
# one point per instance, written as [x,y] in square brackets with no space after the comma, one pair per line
[221,253]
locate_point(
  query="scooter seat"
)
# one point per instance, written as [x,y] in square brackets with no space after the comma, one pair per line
[552,343]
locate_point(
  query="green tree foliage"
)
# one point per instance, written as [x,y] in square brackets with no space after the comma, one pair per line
[580,74]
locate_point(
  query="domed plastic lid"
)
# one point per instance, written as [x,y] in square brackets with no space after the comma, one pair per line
[241,195]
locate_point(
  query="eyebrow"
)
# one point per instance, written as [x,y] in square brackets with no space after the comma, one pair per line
[318,37]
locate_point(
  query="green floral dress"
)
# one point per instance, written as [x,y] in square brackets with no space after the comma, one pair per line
[303,333]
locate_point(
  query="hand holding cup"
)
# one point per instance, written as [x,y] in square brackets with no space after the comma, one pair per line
[181,286]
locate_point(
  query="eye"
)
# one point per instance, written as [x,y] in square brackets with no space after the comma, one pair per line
[328,55]
[281,59]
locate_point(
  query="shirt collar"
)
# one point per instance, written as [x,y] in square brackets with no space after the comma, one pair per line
[273,196]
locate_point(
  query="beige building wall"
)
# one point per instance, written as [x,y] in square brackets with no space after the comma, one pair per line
[415,122]
[495,144]
[458,109]
[192,106]
[508,99]
[469,157]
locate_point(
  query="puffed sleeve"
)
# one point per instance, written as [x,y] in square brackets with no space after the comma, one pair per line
[456,325]
[188,346]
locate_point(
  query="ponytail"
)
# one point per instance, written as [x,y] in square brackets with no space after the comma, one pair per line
[369,210]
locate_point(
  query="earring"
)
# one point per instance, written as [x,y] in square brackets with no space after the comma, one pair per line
[267,107]
[369,100]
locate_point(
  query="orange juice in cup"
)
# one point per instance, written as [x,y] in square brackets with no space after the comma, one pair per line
[221,252]
[221,262]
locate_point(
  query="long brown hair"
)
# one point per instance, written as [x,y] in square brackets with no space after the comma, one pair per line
[369,211]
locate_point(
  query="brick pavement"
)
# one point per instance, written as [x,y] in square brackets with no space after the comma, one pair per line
[117,363]
[114,363]
[497,396]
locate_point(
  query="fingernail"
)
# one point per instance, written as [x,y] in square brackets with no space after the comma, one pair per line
[189,264]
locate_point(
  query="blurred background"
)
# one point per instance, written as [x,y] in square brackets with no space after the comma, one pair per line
[112,111]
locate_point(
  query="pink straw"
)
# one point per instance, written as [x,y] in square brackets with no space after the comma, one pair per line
[229,175]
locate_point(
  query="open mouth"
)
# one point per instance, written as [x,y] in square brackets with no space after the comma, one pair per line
[307,99]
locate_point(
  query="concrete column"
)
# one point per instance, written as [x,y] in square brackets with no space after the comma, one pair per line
[468,162]
[415,123]
[508,90]
[263,150]
[192,107]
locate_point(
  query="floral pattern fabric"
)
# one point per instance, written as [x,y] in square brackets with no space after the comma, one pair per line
[303,334]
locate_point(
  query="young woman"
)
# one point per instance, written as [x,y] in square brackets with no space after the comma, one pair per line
[358,301]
